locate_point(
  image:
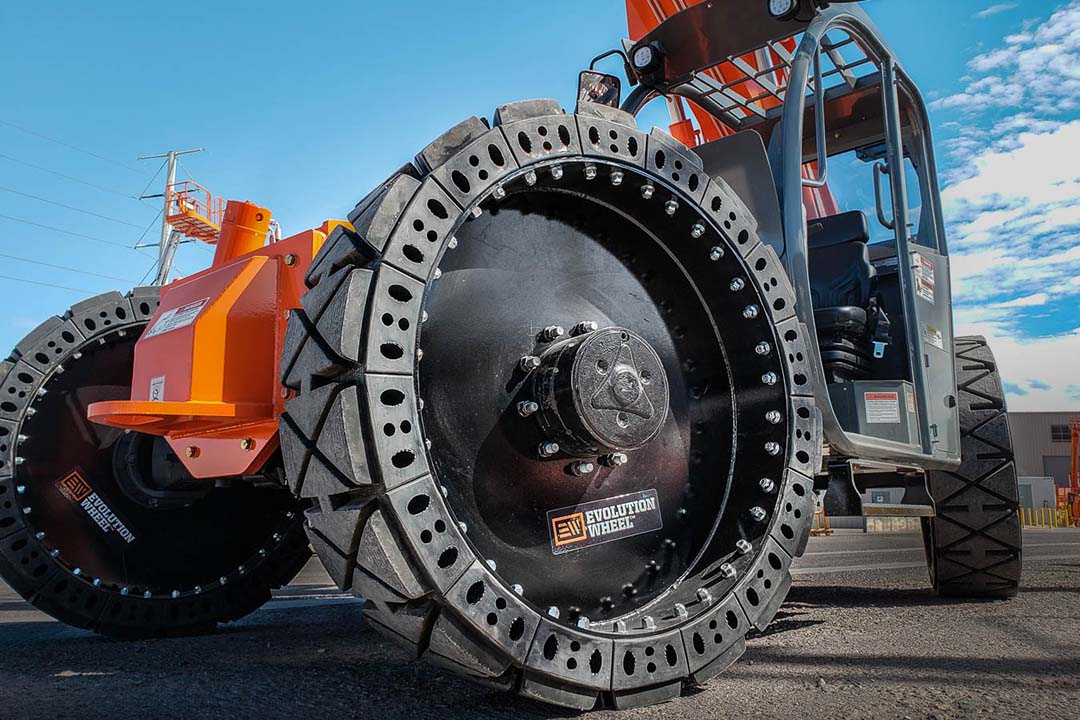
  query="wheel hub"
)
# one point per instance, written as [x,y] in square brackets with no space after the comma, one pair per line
[602,392]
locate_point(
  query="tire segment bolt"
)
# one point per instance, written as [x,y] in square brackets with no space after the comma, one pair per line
[671,206]
[518,589]
[552,332]
[750,312]
[147,595]
[77,571]
[697,230]
[716,252]
[123,591]
[530,177]
[583,622]
[766,485]
[526,408]
[774,417]
[773,448]
[553,612]
[20,489]
[529,363]
[763,348]
[548,449]
[39,535]
[616,178]
[175,594]
[582,468]
[769,378]
[647,191]
[728,570]
[743,546]
[452,244]
[737,284]
[557,172]
[757,513]
[499,193]
[590,172]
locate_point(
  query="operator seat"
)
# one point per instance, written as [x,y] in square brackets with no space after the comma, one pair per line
[851,327]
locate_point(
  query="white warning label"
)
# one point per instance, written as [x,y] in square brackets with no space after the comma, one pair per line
[157,388]
[933,336]
[177,318]
[882,407]
[924,278]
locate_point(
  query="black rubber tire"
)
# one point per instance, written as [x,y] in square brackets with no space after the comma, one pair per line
[47,582]
[974,545]
[386,534]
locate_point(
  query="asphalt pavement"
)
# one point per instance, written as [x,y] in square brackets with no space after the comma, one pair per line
[861,636]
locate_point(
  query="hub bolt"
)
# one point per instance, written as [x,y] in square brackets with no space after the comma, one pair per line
[680,610]
[773,448]
[728,570]
[193,451]
[530,177]
[585,326]
[582,468]
[697,230]
[290,259]
[750,312]
[20,489]
[616,178]
[704,595]
[499,193]
[247,444]
[529,363]
[766,485]
[769,378]
[552,332]
[671,206]
[583,622]
[526,408]
[743,546]
[647,191]
[737,284]
[715,253]
[451,243]
[590,172]
[774,417]
[518,589]
[556,172]
[553,612]
[548,449]
[614,459]
[763,348]
[757,513]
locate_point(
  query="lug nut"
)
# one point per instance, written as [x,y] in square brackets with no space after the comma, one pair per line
[614,459]
[704,595]
[529,363]
[552,332]
[530,178]
[553,612]
[585,326]
[671,206]
[769,378]
[583,622]
[590,172]
[517,589]
[766,485]
[680,610]
[737,284]
[773,448]
[774,417]
[750,312]
[247,444]
[451,243]
[582,468]
[743,546]
[697,230]
[526,408]
[716,253]
[728,570]
[647,191]
[499,193]
[548,449]
[616,178]
[763,348]
[556,172]
[757,513]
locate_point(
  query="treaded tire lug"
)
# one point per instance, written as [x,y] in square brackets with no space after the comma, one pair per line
[975,544]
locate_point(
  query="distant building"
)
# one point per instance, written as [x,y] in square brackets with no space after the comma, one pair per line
[1042,442]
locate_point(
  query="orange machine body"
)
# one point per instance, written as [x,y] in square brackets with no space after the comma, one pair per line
[206,367]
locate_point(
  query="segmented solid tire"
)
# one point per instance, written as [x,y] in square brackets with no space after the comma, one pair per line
[974,545]
[383,530]
[30,561]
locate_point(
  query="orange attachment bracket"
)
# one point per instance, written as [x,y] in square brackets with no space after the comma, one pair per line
[206,368]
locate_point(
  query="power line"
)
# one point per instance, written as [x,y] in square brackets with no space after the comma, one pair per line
[68,177]
[64,267]
[151,180]
[46,284]
[68,232]
[76,148]
[69,207]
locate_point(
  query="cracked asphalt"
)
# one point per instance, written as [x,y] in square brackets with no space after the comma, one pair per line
[861,636]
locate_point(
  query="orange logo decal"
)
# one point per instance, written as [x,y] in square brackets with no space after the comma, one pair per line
[74,487]
[569,529]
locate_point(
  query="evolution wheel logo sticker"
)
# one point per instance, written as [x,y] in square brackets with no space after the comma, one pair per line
[601,521]
[75,488]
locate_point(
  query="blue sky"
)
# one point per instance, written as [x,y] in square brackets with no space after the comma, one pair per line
[304,110]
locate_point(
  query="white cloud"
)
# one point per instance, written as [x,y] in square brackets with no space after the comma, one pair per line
[995,9]
[1026,301]
[1047,359]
